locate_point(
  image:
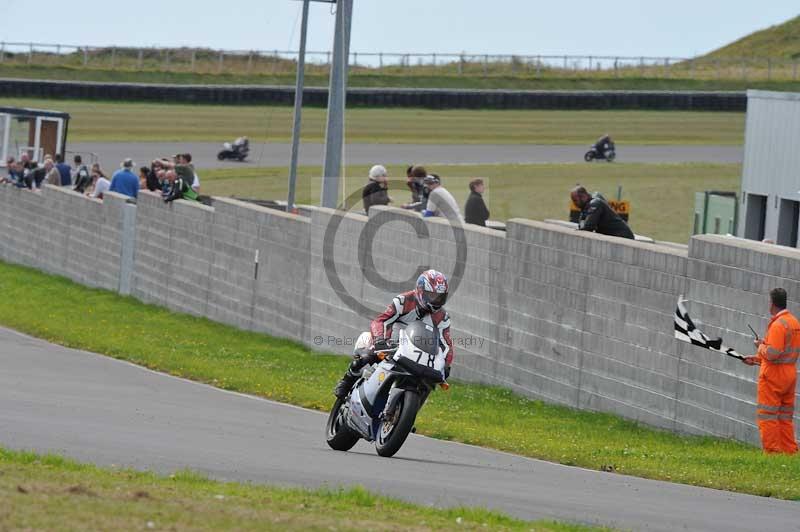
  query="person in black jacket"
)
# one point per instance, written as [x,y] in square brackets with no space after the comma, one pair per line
[475,211]
[376,192]
[597,215]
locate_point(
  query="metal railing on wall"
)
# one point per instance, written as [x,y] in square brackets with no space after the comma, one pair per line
[276,62]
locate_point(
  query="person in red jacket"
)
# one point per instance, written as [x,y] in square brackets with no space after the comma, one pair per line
[777,378]
[425,302]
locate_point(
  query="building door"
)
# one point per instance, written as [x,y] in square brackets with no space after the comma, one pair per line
[788,218]
[49,135]
[756,217]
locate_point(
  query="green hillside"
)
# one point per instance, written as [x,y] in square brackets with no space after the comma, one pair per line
[780,41]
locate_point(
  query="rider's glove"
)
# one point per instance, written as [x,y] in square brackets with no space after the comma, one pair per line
[380,344]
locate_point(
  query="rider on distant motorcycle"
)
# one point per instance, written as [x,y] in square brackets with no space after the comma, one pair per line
[425,302]
[603,144]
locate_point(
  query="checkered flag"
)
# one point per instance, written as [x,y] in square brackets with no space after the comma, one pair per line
[685,331]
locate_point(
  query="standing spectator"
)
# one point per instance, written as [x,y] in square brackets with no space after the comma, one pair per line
[440,201]
[475,211]
[124,181]
[376,191]
[64,170]
[52,175]
[186,158]
[101,184]
[144,176]
[777,378]
[414,180]
[597,215]
[82,176]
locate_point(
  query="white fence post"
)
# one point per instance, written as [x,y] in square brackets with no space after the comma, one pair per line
[140,59]
[85,55]
[192,60]
[30,53]
[220,64]
[2,51]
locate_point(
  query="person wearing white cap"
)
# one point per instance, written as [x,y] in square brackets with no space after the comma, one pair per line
[124,181]
[376,191]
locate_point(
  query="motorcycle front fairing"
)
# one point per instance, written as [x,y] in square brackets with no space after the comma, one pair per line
[369,398]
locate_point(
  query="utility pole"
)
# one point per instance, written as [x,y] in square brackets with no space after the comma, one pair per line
[298,107]
[337,97]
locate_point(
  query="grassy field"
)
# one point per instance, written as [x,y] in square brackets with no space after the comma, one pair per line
[661,195]
[46,306]
[137,122]
[51,493]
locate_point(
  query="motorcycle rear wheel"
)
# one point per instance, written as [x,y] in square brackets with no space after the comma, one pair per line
[588,156]
[392,433]
[338,435]
[221,156]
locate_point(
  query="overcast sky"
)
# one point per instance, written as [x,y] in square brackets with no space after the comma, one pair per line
[626,27]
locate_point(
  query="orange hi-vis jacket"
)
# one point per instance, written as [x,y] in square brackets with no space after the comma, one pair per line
[776,383]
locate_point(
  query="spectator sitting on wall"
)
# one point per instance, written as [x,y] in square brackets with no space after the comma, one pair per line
[475,211]
[179,188]
[52,175]
[376,192]
[35,176]
[12,177]
[101,183]
[124,181]
[440,201]
[82,176]
[64,170]
[597,215]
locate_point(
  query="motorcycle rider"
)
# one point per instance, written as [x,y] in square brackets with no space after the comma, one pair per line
[425,302]
[603,145]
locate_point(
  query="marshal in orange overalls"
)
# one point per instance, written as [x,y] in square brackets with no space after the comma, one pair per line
[777,379]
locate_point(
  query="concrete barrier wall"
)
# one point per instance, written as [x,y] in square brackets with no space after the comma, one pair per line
[378,97]
[572,318]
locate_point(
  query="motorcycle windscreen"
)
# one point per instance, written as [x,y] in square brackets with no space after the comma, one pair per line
[420,343]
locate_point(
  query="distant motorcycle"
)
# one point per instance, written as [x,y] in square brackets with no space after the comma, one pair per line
[609,154]
[383,404]
[236,151]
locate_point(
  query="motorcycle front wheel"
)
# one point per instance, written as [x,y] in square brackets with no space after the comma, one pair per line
[393,432]
[611,156]
[338,435]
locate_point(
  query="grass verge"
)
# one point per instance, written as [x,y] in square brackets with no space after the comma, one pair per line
[661,195]
[52,493]
[426,78]
[154,122]
[63,312]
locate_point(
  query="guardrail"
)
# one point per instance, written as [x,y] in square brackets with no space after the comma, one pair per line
[273,62]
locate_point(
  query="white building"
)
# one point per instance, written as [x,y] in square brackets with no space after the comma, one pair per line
[771,172]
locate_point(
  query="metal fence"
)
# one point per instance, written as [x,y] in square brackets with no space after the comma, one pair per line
[276,62]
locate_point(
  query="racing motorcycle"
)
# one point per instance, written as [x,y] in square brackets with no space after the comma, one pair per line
[594,154]
[234,151]
[383,403]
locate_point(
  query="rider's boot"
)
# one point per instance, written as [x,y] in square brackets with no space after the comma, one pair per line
[350,377]
[360,359]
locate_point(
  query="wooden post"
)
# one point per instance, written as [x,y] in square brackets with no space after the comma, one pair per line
[192,60]
[140,59]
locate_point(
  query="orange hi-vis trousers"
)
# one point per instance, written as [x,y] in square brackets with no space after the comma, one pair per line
[776,384]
